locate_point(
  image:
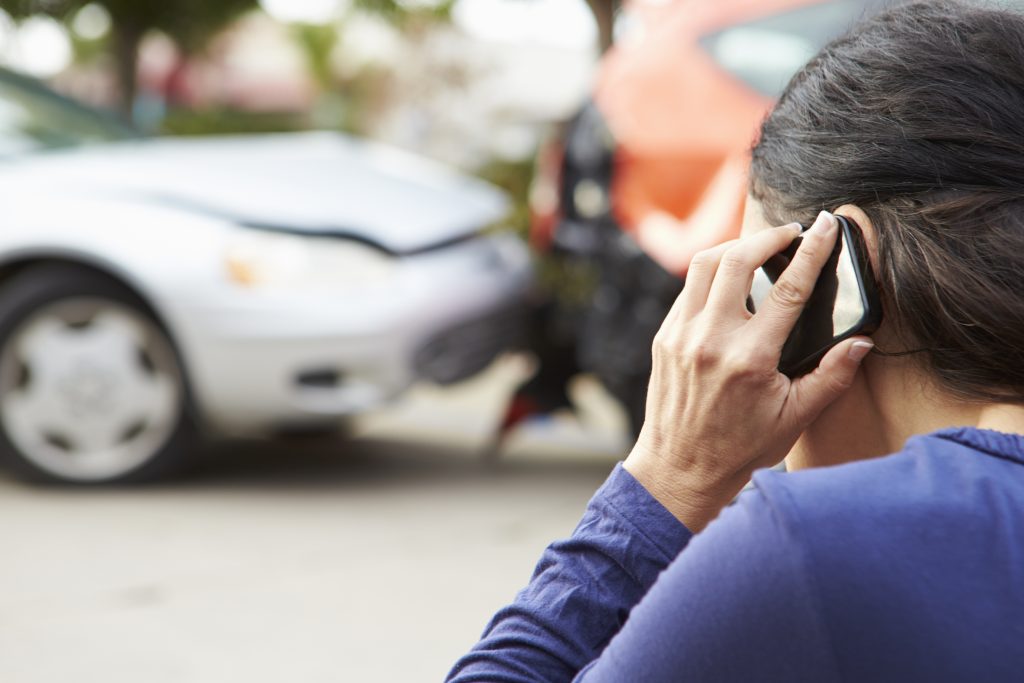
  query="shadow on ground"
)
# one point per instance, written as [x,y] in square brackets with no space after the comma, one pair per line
[339,463]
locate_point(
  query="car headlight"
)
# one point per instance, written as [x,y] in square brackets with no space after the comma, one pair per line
[267,259]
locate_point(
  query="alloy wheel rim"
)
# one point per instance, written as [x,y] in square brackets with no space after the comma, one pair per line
[89,389]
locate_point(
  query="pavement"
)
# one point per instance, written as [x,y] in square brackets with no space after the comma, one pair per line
[377,557]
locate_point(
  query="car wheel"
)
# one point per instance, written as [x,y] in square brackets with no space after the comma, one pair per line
[91,388]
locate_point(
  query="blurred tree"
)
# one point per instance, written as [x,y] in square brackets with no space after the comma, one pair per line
[317,42]
[604,14]
[345,101]
[404,13]
[189,23]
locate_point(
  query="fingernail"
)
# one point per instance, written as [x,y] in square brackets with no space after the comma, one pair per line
[859,350]
[825,222]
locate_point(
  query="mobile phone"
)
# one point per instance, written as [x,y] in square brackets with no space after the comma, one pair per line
[844,302]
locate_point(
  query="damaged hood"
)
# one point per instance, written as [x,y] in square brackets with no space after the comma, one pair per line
[323,183]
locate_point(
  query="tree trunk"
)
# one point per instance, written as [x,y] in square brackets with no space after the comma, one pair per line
[127,38]
[604,15]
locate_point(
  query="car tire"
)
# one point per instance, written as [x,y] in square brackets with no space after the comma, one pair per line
[92,389]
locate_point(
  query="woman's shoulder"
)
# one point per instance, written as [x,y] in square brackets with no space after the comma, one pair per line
[923,467]
[950,483]
[900,565]
[925,541]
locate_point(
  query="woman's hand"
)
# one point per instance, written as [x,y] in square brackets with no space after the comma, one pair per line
[717,406]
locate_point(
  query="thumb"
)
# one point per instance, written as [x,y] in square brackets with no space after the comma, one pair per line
[833,376]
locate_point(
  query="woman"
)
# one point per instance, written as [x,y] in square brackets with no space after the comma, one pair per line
[861,566]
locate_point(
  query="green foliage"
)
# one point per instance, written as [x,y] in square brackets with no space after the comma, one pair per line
[89,50]
[513,177]
[406,12]
[316,43]
[190,23]
[228,121]
[571,281]
[367,93]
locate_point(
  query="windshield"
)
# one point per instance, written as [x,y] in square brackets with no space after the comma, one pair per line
[766,52]
[32,117]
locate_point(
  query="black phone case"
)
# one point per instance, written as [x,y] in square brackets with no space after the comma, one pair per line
[796,358]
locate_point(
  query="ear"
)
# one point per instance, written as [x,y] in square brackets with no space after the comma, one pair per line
[857,215]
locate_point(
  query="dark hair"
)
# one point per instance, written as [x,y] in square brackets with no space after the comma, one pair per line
[917,117]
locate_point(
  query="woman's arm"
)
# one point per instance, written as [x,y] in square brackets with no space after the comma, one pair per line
[739,604]
[581,592]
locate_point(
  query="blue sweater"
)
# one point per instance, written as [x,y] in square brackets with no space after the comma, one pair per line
[903,568]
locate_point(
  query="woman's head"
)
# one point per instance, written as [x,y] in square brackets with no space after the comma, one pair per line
[917,118]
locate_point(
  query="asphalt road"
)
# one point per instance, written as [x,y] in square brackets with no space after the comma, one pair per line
[375,558]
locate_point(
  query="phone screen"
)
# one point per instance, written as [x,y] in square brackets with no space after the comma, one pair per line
[844,302]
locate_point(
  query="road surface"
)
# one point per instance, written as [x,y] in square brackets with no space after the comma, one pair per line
[375,558]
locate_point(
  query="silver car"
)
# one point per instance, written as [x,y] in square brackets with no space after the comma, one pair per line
[156,289]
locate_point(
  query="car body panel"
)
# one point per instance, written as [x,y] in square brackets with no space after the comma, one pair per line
[324,183]
[370,338]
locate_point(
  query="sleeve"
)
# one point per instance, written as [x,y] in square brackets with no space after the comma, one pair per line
[740,604]
[581,591]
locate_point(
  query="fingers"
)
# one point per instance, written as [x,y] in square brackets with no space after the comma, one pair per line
[810,394]
[785,301]
[735,272]
[699,277]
